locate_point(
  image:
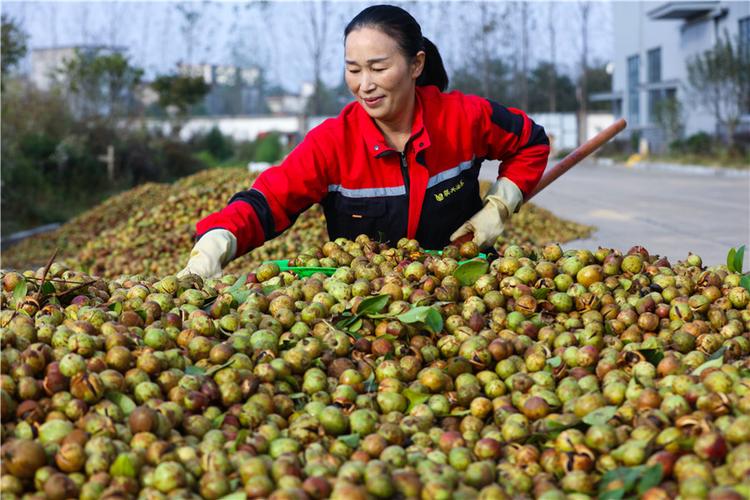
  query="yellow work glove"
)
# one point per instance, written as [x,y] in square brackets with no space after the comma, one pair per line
[501,201]
[212,252]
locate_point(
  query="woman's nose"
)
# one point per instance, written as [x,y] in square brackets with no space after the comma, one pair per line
[366,83]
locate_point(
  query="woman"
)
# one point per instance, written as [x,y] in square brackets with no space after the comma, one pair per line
[402,160]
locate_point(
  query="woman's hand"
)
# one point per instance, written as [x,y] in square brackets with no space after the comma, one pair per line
[212,252]
[501,201]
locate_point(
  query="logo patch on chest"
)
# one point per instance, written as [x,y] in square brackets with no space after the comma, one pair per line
[449,191]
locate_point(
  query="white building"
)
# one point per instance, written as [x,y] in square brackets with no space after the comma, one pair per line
[653,42]
[47,62]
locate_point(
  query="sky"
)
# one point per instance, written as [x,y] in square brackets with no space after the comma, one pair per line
[278,36]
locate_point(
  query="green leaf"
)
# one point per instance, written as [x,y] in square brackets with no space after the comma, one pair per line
[194,370]
[651,477]
[346,319]
[540,293]
[615,494]
[239,495]
[551,429]
[371,385]
[116,307]
[372,305]
[351,440]
[718,354]
[738,258]
[554,362]
[600,416]
[142,314]
[415,398]
[653,356]
[269,288]
[427,315]
[626,284]
[126,404]
[19,292]
[289,379]
[48,288]
[241,296]
[354,327]
[238,284]
[216,368]
[218,420]
[460,413]
[745,282]
[470,271]
[714,363]
[352,334]
[628,476]
[241,436]
[317,362]
[124,466]
[730,259]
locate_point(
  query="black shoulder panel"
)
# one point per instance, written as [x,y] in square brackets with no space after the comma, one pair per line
[503,118]
[256,199]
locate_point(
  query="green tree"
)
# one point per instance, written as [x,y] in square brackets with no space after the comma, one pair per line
[13,46]
[177,94]
[720,80]
[329,100]
[540,89]
[669,116]
[598,80]
[497,81]
[268,148]
[101,84]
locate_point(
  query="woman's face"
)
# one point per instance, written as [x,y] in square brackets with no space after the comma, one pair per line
[379,75]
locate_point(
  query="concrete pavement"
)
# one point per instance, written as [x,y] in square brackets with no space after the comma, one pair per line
[660,207]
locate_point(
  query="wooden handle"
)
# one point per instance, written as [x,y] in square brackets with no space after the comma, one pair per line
[571,160]
[578,154]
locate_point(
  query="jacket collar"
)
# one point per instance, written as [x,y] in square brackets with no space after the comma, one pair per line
[374,138]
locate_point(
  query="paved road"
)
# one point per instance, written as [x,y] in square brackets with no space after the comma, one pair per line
[668,210]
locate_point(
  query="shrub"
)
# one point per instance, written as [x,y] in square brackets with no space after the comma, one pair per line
[219,145]
[268,148]
[697,144]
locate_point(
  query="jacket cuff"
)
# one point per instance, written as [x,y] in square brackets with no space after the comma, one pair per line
[219,243]
[505,192]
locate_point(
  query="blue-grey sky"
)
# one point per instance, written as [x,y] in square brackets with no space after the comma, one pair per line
[278,35]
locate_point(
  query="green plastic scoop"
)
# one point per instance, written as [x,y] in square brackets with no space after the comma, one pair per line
[306,272]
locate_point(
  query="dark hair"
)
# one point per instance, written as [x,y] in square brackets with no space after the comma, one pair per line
[402,27]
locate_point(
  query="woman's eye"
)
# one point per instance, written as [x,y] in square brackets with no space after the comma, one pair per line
[378,69]
[353,70]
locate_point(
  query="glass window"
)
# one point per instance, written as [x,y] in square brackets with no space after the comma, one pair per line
[745,36]
[634,63]
[654,98]
[654,65]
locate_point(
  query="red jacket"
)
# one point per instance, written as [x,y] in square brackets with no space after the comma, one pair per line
[367,187]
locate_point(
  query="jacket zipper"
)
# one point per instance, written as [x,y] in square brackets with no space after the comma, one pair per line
[405,173]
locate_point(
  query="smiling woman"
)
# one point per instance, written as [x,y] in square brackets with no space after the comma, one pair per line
[402,161]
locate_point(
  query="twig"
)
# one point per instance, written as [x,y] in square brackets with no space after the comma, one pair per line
[56,280]
[38,295]
[60,294]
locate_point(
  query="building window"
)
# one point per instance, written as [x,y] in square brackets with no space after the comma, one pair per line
[634,63]
[745,36]
[657,98]
[654,65]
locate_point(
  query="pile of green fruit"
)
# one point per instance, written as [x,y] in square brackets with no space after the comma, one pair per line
[150,229]
[72,236]
[405,374]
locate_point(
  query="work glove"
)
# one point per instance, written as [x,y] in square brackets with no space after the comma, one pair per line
[501,201]
[212,252]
